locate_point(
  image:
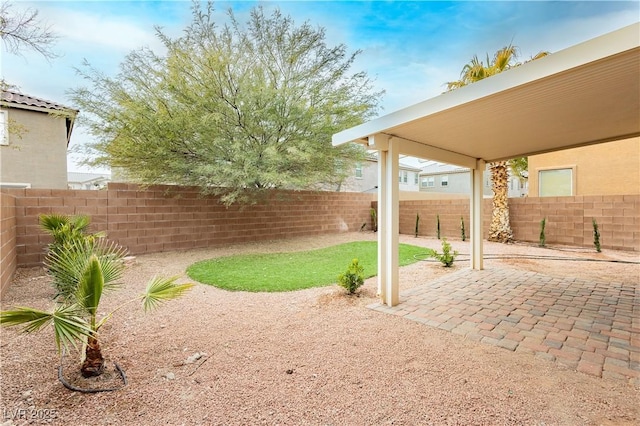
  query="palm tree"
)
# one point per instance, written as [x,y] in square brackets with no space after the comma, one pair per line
[476,70]
[66,230]
[87,267]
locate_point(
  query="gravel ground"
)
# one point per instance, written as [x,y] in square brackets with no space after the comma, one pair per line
[314,357]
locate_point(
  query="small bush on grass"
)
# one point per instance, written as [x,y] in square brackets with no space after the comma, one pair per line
[353,278]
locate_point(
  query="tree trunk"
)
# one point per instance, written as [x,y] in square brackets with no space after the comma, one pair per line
[93,364]
[500,229]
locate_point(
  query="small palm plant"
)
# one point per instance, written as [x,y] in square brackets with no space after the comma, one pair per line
[86,268]
[65,230]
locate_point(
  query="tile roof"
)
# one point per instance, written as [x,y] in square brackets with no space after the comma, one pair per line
[13,97]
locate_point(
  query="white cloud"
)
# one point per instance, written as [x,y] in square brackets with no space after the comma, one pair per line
[116,33]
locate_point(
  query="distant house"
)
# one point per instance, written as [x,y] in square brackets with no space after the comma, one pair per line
[34,135]
[446,178]
[365,177]
[611,168]
[88,180]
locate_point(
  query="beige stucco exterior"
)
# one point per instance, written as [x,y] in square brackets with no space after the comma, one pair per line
[36,152]
[611,168]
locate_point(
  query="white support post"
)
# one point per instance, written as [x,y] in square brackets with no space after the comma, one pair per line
[382,228]
[392,223]
[475,215]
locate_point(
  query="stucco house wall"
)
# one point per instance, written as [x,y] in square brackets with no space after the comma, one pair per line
[459,182]
[365,178]
[611,168]
[35,136]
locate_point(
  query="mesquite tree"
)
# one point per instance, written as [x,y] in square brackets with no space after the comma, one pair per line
[234,109]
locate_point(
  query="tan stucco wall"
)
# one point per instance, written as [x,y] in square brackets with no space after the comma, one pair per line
[39,157]
[611,168]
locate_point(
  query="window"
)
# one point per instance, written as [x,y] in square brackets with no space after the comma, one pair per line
[4,128]
[444,181]
[359,170]
[555,182]
[428,182]
[415,178]
[405,177]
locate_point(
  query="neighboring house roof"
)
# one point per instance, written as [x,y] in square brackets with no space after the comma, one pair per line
[373,157]
[14,99]
[440,168]
[76,177]
[408,167]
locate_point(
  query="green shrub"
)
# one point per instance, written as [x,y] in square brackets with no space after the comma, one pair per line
[353,278]
[374,220]
[543,238]
[446,257]
[417,224]
[463,234]
[438,225]
[596,236]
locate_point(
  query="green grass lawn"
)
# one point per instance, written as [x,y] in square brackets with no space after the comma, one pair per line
[293,271]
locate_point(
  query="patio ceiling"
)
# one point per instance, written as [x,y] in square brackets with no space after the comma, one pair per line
[586,94]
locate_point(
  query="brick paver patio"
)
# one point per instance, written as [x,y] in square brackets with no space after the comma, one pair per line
[588,326]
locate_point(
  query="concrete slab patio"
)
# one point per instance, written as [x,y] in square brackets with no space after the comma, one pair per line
[589,326]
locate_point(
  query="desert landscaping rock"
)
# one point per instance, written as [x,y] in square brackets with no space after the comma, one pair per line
[193,358]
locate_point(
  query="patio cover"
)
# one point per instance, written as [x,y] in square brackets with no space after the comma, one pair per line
[586,94]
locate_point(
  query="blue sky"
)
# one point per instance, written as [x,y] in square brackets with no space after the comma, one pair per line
[411,48]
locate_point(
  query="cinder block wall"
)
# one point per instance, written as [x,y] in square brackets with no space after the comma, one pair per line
[449,211]
[165,218]
[569,220]
[8,260]
[30,203]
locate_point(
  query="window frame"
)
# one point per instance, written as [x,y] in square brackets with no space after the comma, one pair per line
[428,182]
[358,171]
[4,127]
[572,186]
